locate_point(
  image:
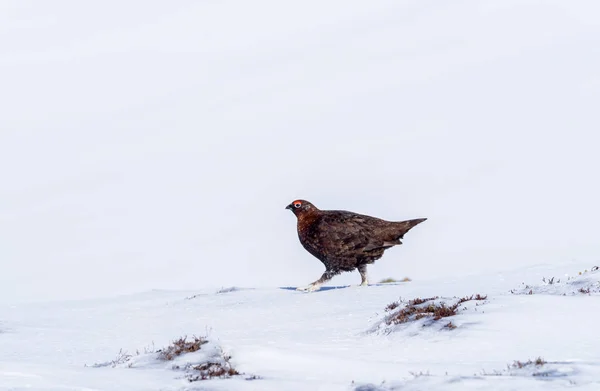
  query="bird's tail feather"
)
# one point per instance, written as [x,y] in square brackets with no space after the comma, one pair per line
[405,226]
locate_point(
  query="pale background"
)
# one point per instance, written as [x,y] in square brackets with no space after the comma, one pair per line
[154,145]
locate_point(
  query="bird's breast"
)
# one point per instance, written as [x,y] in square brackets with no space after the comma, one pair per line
[308,234]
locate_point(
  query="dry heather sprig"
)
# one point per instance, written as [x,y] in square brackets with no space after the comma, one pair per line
[415,309]
[181,346]
[538,362]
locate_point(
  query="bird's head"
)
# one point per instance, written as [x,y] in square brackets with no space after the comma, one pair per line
[301,207]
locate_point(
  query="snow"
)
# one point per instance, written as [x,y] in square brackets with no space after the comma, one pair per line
[325,340]
[584,282]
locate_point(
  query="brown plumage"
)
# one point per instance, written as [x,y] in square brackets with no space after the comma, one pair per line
[344,240]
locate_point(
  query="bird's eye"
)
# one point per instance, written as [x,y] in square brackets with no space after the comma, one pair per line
[297,205]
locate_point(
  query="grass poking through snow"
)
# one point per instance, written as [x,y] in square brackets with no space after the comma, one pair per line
[181,346]
[198,358]
[538,362]
[584,282]
[390,280]
[432,309]
[210,370]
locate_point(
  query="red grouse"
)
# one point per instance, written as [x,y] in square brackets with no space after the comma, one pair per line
[344,240]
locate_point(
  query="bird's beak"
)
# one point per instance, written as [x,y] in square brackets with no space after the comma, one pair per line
[290,207]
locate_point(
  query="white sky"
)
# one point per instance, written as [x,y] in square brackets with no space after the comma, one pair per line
[154,145]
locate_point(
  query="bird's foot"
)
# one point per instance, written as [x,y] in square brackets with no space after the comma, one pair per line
[364,283]
[310,288]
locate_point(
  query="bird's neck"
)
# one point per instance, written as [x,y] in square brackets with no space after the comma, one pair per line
[307,217]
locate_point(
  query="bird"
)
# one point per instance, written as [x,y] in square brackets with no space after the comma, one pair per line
[344,241]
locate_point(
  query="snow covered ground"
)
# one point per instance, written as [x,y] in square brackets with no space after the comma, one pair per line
[280,339]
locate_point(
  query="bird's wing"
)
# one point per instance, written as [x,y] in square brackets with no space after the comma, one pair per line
[345,231]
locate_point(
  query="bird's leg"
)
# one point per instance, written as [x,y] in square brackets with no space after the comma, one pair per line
[313,286]
[362,269]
